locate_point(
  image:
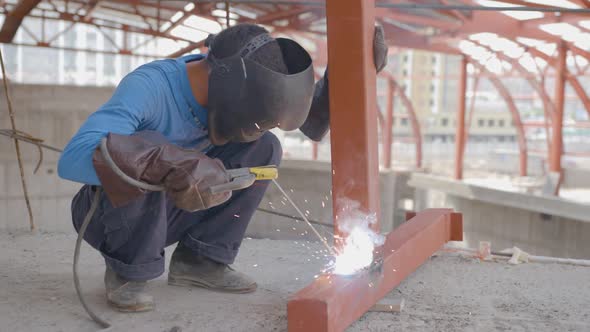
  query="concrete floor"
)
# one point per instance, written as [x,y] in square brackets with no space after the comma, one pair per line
[448,293]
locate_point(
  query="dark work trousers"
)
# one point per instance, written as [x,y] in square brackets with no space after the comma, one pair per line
[132,238]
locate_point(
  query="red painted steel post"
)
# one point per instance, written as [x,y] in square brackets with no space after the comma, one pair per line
[460,134]
[332,302]
[353,107]
[557,124]
[388,134]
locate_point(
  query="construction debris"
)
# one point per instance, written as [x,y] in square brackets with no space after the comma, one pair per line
[395,304]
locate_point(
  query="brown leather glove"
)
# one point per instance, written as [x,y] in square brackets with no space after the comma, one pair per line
[147,156]
[317,124]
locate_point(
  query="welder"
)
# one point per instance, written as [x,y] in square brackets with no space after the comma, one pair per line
[183,123]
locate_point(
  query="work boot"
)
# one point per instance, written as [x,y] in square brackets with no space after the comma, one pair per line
[126,295]
[190,269]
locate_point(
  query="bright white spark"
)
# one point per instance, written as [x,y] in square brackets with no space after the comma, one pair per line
[357,253]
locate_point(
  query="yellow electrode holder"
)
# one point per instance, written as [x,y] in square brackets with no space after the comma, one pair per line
[242,178]
[265,173]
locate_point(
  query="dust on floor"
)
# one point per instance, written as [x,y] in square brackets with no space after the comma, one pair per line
[448,293]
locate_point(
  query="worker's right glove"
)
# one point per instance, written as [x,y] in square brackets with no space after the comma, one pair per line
[147,156]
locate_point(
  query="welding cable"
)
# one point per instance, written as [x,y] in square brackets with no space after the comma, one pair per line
[87,218]
[95,200]
[105,154]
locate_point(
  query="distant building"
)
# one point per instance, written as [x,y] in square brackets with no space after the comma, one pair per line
[27,64]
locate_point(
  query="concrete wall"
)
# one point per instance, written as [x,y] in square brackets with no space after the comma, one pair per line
[576,178]
[53,113]
[540,225]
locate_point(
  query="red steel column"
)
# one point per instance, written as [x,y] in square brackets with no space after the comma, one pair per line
[557,124]
[460,135]
[388,133]
[353,107]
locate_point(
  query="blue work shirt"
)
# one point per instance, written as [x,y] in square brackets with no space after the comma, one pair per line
[156,96]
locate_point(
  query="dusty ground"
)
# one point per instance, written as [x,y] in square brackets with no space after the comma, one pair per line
[449,293]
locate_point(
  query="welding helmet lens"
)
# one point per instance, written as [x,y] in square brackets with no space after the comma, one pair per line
[246,98]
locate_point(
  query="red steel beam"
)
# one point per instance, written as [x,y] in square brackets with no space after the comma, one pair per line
[331,303]
[575,83]
[414,121]
[15,18]
[396,36]
[520,133]
[557,124]
[518,124]
[266,19]
[411,111]
[353,107]
[460,133]
[504,92]
[417,19]
[388,133]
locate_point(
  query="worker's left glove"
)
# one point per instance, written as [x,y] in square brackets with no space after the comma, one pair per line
[317,124]
[147,156]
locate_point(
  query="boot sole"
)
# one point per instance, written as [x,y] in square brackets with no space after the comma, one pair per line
[133,308]
[186,282]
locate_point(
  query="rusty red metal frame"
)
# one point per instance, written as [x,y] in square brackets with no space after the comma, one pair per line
[557,125]
[518,125]
[353,120]
[417,132]
[332,303]
[460,138]
[396,89]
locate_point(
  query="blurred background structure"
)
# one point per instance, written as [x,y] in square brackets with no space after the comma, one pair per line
[484,107]
[513,58]
[493,93]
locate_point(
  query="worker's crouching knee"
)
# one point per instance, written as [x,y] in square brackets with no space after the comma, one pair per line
[269,142]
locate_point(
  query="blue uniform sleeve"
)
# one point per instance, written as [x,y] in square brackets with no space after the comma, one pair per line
[132,105]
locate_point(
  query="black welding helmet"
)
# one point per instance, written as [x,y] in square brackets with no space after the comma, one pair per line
[246,99]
